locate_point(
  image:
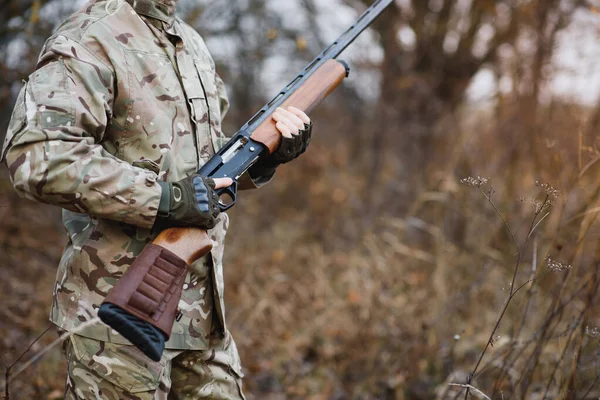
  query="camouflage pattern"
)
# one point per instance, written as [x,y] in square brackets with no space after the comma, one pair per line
[99,370]
[124,94]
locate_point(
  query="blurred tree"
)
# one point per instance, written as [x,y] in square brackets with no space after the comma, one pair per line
[19,42]
[525,61]
[432,51]
[24,27]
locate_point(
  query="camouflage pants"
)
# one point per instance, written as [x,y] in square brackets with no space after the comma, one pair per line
[101,370]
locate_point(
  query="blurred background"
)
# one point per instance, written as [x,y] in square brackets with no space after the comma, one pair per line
[366,270]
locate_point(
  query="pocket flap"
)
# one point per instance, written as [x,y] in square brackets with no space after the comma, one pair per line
[207,76]
[147,164]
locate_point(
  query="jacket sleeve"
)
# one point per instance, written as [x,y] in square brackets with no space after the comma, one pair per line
[53,149]
[248,180]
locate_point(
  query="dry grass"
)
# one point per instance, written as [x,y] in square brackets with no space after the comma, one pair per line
[333,296]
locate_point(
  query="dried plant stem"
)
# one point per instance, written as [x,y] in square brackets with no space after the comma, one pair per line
[10,377]
[9,368]
[511,291]
[557,308]
[555,315]
[590,301]
[591,387]
[536,225]
[470,387]
[508,363]
[562,356]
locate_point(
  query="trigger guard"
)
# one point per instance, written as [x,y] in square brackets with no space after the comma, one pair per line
[232,192]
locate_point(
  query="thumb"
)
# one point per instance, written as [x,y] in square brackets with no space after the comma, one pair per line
[222,182]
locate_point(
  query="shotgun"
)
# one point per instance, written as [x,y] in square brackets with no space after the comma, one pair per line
[142,306]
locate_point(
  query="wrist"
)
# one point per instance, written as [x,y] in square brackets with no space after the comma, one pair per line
[289,148]
[164,205]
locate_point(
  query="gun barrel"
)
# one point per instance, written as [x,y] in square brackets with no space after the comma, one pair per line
[331,52]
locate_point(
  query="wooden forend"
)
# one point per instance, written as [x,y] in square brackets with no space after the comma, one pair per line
[318,86]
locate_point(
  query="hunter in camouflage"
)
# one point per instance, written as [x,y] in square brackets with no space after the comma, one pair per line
[125,95]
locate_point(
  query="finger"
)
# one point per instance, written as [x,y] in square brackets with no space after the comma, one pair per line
[284,129]
[305,140]
[277,116]
[210,182]
[292,117]
[293,130]
[222,182]
[291,126]
[300,114]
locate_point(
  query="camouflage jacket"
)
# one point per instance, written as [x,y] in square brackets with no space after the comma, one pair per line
[124,94]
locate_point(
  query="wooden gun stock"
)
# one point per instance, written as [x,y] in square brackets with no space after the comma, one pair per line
[142,306]
[189,244]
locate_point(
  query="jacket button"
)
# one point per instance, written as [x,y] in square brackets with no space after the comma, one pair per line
[150,180]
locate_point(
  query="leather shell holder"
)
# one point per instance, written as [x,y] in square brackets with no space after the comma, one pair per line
[151,288]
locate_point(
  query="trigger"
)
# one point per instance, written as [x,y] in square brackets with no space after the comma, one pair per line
[230,191]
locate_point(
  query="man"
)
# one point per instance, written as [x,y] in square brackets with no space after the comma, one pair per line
[123,108]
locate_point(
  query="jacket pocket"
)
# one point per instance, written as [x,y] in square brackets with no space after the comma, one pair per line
[17,121]
[155,123]
[208,78]
[201,114]
[202,119]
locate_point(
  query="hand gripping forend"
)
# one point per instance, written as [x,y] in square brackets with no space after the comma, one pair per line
[142,306]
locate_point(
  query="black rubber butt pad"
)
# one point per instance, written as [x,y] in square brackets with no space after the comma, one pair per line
[149,339]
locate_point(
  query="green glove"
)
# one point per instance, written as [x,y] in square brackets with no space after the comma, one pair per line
[190,202]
